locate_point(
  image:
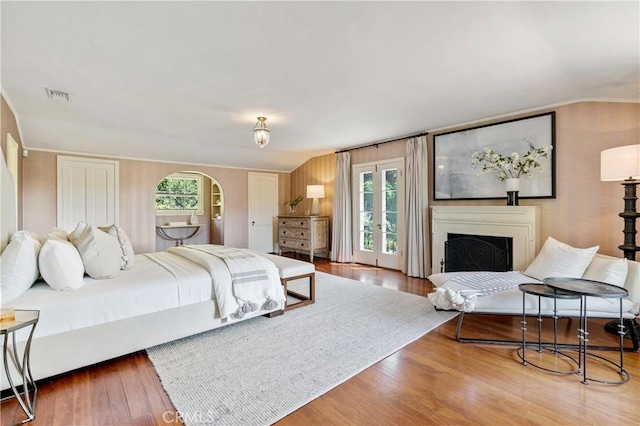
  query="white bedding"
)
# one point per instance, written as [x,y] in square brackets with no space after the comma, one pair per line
[235,297]
[160,281]
[143,289]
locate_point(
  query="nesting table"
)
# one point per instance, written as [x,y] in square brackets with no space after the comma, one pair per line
[541,290]
[584,288]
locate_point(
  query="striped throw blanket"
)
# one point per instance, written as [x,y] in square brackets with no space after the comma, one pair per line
[460,292]
[243,282]
[248,275]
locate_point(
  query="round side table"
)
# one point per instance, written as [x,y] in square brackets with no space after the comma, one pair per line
[541,290]
[585,288]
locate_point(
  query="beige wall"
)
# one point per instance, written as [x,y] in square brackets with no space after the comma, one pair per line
[8,124]
[138,181]
[584,213]
[585,210]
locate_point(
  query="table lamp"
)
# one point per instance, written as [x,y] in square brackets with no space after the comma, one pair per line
[315,192]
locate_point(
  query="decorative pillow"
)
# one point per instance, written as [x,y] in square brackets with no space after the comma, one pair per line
[61,265]
[128,256]
[19,264]
[557,259]
[607,270]
[56,234]
[75,234]
[100,252]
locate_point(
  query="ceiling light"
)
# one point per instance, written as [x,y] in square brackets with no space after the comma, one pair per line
[261,133]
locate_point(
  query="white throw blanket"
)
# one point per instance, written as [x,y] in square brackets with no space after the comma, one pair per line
[460,292]
[242,281]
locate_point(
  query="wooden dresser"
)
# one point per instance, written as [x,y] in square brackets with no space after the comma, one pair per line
[304,234]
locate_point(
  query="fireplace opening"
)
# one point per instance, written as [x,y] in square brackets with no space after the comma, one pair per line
[478,253]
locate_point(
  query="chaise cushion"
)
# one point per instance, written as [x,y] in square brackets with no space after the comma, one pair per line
[557,259]
[607,270]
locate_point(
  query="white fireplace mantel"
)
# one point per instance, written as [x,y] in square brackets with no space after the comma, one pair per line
[521,223]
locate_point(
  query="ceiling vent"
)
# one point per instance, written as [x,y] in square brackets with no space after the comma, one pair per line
[57,94]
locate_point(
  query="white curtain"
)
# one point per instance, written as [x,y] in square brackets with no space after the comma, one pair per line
[416,204]
[342,245]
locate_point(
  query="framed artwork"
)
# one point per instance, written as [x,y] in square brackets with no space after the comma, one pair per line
[454,178]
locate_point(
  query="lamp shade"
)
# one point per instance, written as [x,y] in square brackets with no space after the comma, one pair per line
[315,191]
[620,163]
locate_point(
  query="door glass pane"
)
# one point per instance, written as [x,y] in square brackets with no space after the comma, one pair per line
[366,211]
[390,243]
[390,211]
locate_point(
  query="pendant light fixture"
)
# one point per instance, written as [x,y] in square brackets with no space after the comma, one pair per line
[261,133]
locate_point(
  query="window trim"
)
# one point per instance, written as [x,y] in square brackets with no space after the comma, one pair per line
[200,210]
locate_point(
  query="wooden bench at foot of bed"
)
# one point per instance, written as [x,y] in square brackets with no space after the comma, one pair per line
[292,270]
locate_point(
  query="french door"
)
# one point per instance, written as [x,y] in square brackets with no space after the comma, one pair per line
[378,204]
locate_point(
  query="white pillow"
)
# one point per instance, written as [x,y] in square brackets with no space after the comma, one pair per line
[19,265]
[61,265]
[56,234]
[557,259]
[128,256]
[75,234]
[100,252]
[607,270]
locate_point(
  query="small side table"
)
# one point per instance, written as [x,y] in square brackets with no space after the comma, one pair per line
[27,397]
[584,288]
[542,290]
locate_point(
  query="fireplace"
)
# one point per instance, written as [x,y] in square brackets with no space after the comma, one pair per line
[478,253]
[519,223]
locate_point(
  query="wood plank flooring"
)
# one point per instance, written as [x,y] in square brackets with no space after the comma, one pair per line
[434,380]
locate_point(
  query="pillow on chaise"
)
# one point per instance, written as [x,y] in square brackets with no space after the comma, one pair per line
[557,259]
[607,270]
[19,264]
[60,264]
[128,256]
[100,252]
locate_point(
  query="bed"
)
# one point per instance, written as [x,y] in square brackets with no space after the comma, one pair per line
[159,297]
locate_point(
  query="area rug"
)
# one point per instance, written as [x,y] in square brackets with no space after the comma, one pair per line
[258,371]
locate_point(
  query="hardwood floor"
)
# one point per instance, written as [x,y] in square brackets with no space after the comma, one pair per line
[434,380]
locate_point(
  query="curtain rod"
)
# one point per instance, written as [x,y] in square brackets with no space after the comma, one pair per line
[383,142]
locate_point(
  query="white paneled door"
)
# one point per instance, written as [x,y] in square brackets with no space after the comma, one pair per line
[263,211]
[378,205]
[87,192]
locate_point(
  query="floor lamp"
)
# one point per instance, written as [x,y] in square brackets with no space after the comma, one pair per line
[623,164]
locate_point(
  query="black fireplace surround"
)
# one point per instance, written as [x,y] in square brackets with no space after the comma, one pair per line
[478,253]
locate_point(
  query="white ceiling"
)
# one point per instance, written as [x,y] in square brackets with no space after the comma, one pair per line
[184,82]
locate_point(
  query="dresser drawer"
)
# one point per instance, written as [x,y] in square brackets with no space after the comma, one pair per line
[293,244]
[298,222]
[298,233]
